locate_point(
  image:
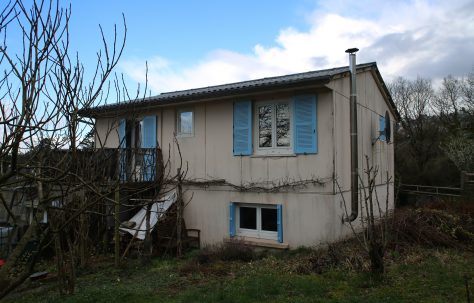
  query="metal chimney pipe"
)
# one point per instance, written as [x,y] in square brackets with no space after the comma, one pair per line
[353,133]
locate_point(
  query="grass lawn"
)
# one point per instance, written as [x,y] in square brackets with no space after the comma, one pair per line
[418,275]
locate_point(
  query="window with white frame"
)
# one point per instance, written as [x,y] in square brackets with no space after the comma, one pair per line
[185,123]
[257,221]
[273,127]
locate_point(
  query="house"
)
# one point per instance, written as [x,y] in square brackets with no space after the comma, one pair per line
[270,159]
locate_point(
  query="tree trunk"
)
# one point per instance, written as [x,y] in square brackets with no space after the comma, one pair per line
[376,258]
[60,264]
[146,257]
[179,216]
[116,226]
[17,269]
[83,232]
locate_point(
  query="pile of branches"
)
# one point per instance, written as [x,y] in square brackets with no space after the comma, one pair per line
[345,254]
[433,228]
[408,228]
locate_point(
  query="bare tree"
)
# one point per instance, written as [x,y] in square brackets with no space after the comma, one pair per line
[447,104]
[45,87]
[467,89]
[454,106]
[42,89]
[419,131]
[25,114]
[373,232]
[454,103]
[413,100]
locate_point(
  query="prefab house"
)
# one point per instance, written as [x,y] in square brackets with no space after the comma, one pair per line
[269,160]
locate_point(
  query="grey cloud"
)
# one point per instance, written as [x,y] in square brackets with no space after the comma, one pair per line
[464,12]
[441,56]
[457,61]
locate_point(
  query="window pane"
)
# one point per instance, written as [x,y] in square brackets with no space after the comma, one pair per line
[283,124]
[185,123]
[248,217]
[265,126]
[269,219]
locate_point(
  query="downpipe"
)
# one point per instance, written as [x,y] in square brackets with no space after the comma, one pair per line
[353,136]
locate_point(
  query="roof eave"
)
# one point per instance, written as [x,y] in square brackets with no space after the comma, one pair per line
[229,93]
[386,92]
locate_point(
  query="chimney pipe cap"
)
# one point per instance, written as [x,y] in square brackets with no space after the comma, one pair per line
[352,50]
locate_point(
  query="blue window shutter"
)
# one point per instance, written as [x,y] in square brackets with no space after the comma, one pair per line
[280,222]
[149,144]
[231,219]
[382,128]
[305,130]
[122,152]
[242,128]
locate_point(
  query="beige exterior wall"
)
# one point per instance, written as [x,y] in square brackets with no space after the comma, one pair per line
[371,105]
[209,152]
[106,133]
[311,215]
[308,219]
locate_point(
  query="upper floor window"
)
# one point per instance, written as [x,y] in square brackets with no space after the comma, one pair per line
[185,123]
[273,127]
[382,129]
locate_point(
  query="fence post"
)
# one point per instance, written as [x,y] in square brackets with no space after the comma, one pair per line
[468,185]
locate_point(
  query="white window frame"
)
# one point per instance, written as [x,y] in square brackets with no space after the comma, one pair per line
[255,233]
[274,150]
[178,122]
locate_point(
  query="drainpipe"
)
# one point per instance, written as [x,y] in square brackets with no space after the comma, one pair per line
[353,132]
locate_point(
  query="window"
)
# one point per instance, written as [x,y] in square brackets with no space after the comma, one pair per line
[273,127]
[382,128]
[185,123]
[276,127]
[138,141]
[257,221]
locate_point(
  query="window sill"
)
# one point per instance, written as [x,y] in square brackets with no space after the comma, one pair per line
[257,242]
[179,136]
[272,155]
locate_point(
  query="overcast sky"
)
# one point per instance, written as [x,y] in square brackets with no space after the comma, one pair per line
[191,43]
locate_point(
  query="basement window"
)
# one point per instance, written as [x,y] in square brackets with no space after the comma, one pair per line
[257,221]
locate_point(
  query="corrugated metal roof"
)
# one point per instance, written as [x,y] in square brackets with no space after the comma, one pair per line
[319,76]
